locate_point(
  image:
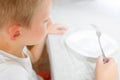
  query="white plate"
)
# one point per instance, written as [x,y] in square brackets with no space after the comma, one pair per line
[86,43]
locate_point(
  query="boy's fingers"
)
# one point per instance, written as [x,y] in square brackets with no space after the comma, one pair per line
[59,32]
[61,28]
[100,58]
[111,60]
[57,29]
[103,60]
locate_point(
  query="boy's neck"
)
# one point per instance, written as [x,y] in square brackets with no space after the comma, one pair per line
[13,50]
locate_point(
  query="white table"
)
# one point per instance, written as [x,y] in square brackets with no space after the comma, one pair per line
[79,16]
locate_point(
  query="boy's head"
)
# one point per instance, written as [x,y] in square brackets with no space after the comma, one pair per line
[24,19]
[17,11]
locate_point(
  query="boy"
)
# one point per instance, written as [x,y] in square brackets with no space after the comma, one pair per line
[24,23]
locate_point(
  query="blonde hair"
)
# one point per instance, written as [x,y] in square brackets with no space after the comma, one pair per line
[17,11]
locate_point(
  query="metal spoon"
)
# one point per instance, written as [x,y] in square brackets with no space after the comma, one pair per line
[98,33]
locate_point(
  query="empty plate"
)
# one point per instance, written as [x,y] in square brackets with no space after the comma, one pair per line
[85,43]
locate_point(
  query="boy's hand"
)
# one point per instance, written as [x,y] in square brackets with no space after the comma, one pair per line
[107,71]
[56,29]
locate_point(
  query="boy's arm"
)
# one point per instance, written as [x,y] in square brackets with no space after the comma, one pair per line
[35,51]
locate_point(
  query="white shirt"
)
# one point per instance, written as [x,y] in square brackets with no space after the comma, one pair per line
[14,68]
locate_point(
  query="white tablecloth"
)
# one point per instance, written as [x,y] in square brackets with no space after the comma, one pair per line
[64,64]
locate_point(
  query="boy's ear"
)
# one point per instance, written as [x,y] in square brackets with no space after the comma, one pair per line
[14,31]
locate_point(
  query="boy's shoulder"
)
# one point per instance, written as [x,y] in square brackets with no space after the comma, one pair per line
[14,67]
[12,71]
[8,63]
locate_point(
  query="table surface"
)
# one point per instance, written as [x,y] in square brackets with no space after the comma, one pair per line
[78,16]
